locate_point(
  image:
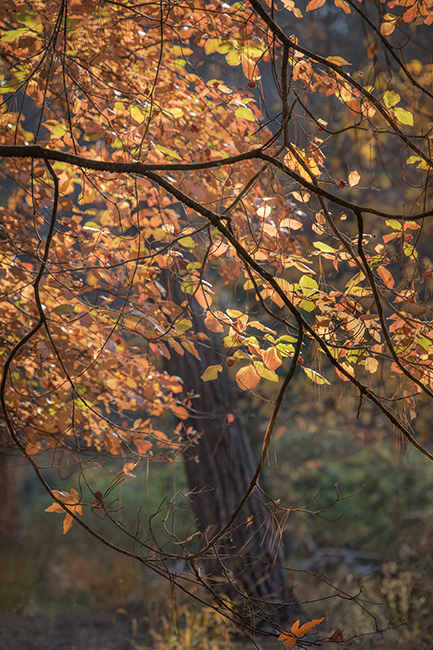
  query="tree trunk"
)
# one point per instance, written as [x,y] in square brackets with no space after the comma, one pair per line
[9,501]
[219,469]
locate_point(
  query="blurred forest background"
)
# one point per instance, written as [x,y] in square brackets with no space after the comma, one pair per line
[378,540]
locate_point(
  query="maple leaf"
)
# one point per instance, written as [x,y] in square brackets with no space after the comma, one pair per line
[71,501]
[298,631]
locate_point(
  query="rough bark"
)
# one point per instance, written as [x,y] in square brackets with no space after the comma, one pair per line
[219,470]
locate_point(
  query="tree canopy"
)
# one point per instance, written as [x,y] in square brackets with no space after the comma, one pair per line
[280,176]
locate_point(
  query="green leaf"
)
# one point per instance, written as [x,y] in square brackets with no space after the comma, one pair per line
[245,114]
[211,45]
[138,114]
[26,17]
[288,338]
[308,285]
[177,50]
[323,247]
[14,35]
[315,376]
[183,325]
[307,305]
[413,159]
[233,58]
[63,309]
[187,242]
[211,372]
[92,225]
[173,112]
[270,375]
[56,128]
[252,52]
[391,98]
[402,116]
[225,47]
[167,152]
[392,223]
[425,343]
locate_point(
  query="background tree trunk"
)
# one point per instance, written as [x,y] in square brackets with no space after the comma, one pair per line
[219,469]
[9,499]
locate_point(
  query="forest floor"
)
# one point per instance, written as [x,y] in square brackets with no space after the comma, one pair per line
[69,632]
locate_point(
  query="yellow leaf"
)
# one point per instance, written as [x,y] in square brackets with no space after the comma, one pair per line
[354,178]
[391,98]
[338,60]
[387,28]
[211,372]
[403,116]
[315,376]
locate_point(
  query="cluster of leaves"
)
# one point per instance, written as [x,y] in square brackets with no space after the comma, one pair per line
[127,161]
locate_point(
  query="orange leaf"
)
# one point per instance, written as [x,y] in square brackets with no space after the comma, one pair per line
[306,627]
[315,4]
[247,377]
[213,324]
[67,523]
[203,298]
[288,640]
[71,501]
[272,358]
[142,445]
[386,276]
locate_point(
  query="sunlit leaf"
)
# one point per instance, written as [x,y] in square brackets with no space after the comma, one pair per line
[391,98]
[403,116]
[211,372]
[63,309]
[247,377]
[314,4]
[167,152]
[325,248]
[386,276]
[354,178]
[245,114]
[371,364]
[338,60]
[302,630]
[315,376]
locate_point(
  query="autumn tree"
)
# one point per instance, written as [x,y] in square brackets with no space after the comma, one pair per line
[302,238]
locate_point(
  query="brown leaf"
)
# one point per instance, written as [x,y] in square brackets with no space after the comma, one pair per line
[337,637]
